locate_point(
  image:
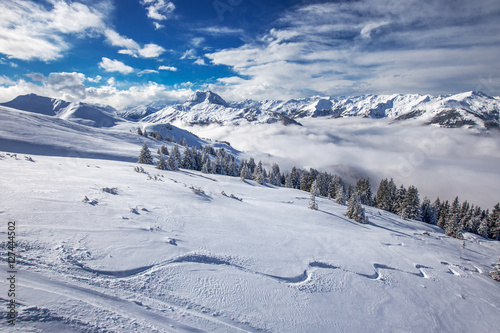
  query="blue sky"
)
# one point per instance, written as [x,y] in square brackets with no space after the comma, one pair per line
[135,51]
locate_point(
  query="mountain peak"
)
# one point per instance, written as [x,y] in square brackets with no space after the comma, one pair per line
[207,97]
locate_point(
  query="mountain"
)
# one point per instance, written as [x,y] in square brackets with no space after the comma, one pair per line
[94,115]
[204,108]
[470,109]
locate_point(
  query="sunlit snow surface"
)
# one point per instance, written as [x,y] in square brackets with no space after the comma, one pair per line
[266,263]
[154,256]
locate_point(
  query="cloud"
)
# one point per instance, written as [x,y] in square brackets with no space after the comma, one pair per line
[30,31]
[115,66]
[167,68]
[440,162]
[69,84]
[147,71]
[200,61]
[131,47]
[359,47]
[158,10]
[216,31]
[71,87]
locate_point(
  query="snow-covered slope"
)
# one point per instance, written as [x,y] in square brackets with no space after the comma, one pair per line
[473,109]
[87,114]
[40,134]
[153,256]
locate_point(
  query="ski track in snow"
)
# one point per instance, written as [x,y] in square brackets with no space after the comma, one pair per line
[214,260]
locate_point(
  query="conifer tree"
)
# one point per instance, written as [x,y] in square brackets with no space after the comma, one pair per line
[340,195]
[483,229]
[495,222]
[164,150]
[161,164]
[172,162]
[303,181]
[495,274]
[398,201]
[428,213]
[314,192]
[145,155]
[139,131]
[410,208]
[355,211]
[443,215]
[288,181]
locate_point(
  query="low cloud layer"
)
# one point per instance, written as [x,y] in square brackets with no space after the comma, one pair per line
[440,162]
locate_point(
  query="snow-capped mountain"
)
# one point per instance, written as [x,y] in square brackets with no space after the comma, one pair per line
[473,109]
[207,107]
[94,115]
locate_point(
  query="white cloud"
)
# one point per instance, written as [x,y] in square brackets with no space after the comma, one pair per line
[147,71]
[167,68]
[70,87]
[96,79]
[376,46]
[200,61]
[460,162]
[29,30]
[132,47]
[115,66]
[158,10]
[189,54]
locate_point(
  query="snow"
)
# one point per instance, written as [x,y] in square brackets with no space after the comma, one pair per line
[177,253]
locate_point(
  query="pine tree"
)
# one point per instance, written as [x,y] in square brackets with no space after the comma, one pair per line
[245,173]
[410,208]
[164,150]
[364,191]
[495,274]
[139,131]
[288,181]
[453,228]
[495,222]
[340,195]
[355,211]
[443,215]
[398,200]
[172,162]
[483,229]
[303,181]
[314,192]
[145,155]
[161,164]
[428,212]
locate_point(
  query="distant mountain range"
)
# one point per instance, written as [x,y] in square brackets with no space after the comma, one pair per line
[469,109]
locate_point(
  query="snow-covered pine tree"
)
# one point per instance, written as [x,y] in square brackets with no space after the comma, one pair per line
[484,229]
[410,208]
[495,222]
[340,195]
[172,162]
[176,154]
[139,131]
[161,164]
[364,191]
[428,213]
[288,181]
[443,215]
[453,228]
[244,174]
[313,193]
[355,211]
[145,155]
[303,181]
[495,274]
[164,150]
[398,201]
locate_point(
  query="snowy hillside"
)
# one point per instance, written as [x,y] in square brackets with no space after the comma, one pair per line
[87,114]
[147,255]
[473,109]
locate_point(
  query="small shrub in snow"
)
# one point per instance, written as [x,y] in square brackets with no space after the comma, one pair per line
[29,159]
[134,211]
[90,202]
[110,190]
[139,169]
[197,190]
